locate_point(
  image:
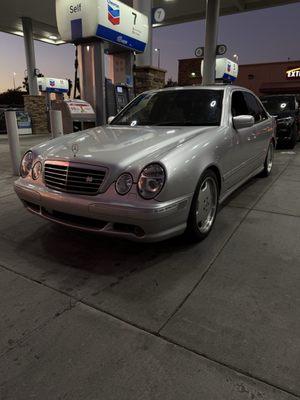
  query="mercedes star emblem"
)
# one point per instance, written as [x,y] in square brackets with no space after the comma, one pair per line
[75,149]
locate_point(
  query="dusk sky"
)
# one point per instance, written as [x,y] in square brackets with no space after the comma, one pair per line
[261,36]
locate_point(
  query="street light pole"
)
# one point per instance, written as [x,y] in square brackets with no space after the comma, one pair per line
[14,80]
[236,57]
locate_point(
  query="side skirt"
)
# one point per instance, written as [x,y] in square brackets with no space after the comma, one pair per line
[239,184]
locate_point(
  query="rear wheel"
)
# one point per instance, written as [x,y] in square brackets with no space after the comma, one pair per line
[204,207]
[268,165]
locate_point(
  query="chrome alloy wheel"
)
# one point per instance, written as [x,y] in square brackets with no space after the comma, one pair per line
[270,157]
[207,205]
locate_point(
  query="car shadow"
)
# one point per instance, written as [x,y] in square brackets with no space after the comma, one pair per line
[246,186]
[98,254]
[283,145]
[95,253]
[103,255]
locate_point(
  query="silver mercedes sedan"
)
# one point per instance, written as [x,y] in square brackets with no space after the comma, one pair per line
[160,169]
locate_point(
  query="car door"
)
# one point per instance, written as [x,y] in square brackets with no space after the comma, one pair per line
[262,130]
[241,153]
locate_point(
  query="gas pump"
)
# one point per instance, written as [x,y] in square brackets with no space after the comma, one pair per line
[117,97]
[76,114]
[47,86]
[107,33]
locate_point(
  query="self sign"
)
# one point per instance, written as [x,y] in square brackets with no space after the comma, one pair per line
[75,9]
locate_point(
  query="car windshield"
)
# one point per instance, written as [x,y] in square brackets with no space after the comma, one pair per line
[279,104]
[193,107]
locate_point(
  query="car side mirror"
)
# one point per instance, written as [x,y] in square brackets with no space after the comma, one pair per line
[110,119]
[243,121]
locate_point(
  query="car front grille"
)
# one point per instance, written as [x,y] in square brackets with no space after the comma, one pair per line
[73,177]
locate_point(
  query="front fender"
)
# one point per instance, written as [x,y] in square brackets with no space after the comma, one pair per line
[186,164]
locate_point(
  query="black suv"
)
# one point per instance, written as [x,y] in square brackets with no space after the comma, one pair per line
[285,108]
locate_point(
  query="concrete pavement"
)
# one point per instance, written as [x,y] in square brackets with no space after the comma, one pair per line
[87,317]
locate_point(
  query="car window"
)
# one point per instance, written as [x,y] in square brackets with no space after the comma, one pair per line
[244,103]
[253,107]
[238,104]
[262,111]
[174,108]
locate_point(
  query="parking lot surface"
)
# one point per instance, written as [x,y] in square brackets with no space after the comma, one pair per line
[88,317]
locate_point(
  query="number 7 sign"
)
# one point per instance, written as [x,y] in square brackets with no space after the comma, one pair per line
[158,15]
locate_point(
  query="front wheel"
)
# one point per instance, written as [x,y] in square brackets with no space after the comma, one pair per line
[294,136]
[204,207]
[268,165]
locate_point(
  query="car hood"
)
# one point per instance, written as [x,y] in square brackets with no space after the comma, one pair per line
[284,114]
[119,148]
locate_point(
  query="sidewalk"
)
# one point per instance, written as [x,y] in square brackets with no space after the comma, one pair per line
[84,317]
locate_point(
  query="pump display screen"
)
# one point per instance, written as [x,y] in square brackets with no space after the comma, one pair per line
[174,108]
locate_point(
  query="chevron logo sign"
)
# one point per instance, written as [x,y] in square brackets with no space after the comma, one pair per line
[113,12]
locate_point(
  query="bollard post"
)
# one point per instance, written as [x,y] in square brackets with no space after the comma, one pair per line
[56,123]
[13,140]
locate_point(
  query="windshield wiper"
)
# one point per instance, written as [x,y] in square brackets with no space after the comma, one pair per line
[185,123]
[172,123]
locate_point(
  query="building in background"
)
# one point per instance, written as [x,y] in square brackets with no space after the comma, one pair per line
[189,71]
[265,78]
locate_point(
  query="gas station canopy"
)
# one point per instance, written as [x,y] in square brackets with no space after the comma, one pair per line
[42,13]
[189,10]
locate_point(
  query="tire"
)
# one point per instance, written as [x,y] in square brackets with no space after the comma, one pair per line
[294,136]
[297,132]
[204,207]
[268,164]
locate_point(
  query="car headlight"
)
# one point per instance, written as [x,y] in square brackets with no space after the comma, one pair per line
[37,170]
[124,184]
[26,164]
[286,121]
[151,181]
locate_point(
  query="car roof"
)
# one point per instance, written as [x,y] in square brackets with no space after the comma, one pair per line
[216,86]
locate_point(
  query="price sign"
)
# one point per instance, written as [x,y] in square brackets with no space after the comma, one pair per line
[159,15]
[199,52]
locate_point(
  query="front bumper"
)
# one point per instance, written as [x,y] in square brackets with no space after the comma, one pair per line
[284,132]
[108,213]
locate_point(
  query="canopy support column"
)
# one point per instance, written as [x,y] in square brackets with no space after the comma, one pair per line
[145,7]
[30,56]
[211,38]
